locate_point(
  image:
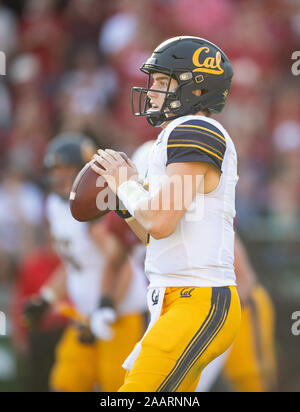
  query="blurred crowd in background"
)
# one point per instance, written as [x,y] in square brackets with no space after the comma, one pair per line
[70,65]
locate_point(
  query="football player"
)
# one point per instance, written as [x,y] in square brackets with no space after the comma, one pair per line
[250,364]
[111,301]
[186,216]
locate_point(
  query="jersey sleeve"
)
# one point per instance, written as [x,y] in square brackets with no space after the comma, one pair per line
[196,141]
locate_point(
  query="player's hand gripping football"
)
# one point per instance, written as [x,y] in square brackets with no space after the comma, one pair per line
[114,168]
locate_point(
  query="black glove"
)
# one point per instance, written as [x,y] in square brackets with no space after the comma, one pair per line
[84,334]
[34,310]
[122,212]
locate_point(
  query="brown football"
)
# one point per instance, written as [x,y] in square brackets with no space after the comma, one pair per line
[90,197]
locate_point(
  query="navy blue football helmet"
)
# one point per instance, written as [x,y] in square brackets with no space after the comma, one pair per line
[194,63]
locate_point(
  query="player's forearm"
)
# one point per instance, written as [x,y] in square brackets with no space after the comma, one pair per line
[115,256]
[150,218]
[124,280]
[152,213]
[158,223]
[110,278]
[115,283]
[138,229]
[57,284]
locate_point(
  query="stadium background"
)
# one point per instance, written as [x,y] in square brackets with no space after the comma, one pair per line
[70,66]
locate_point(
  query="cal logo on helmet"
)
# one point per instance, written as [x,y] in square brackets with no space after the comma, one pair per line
[209,64]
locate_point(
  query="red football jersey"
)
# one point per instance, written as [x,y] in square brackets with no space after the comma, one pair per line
[120,228]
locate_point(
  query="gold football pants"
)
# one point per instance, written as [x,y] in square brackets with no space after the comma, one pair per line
[195,326]
[81,367]
[251,365]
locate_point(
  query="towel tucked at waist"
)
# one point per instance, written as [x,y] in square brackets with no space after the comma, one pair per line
[155,298]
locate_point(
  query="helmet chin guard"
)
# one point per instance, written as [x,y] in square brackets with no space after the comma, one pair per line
[195,64]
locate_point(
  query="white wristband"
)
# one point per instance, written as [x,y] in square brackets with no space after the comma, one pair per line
[132,193]
[48,294]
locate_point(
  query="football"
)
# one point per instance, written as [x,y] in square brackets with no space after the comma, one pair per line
[90,197]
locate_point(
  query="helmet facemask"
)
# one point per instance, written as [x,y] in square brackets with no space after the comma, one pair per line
[179,102]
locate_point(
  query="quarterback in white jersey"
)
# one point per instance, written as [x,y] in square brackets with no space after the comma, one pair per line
[169,261]
[109,303]
[187,215]
[249,365]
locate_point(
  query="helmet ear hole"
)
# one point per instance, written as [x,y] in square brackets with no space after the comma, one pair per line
[197,92]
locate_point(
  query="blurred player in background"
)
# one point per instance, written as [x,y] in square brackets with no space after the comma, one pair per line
[250,364]
[107,296]
[35,346]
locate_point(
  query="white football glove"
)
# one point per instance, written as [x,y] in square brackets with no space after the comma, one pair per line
[100,322]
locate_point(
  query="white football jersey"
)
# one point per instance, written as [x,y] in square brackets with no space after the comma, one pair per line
[201,250]
[83,261]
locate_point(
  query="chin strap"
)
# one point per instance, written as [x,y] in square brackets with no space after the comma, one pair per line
[160,119]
